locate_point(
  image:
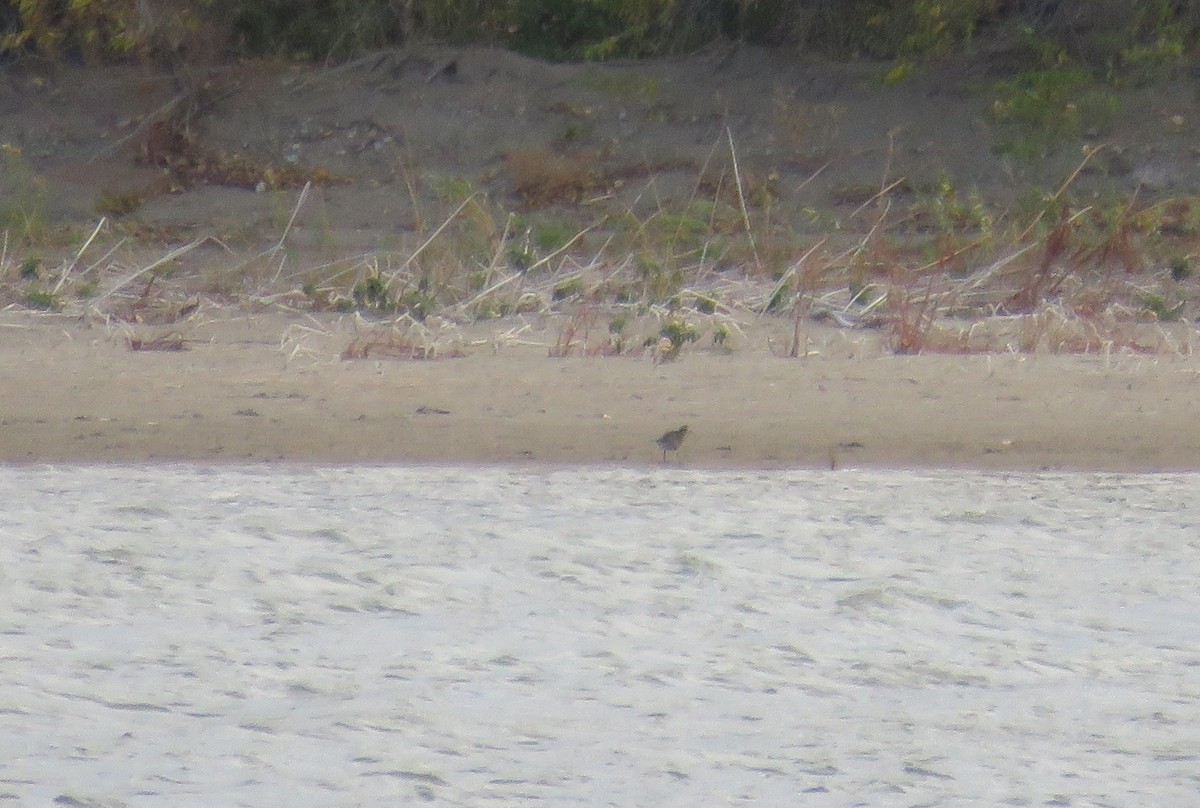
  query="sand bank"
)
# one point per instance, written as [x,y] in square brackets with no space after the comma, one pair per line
[266,388]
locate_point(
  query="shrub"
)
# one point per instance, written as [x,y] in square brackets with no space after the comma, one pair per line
[1145,39]
[106,30]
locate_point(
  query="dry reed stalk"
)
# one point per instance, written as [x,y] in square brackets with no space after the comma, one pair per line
[737,176]
[432,237]
[561,249]
[1043,280]
[882,192]
[170,256]
[983,276]
[793,269]
[410,183]
[915,317]
[498,253]
[120,243]
[288,229]
[1088,154]
[582,319]
[466,304]
[69,265]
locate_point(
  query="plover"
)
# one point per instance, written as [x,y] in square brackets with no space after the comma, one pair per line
[671,441]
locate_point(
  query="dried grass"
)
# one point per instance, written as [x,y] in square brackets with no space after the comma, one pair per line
[1060,288]
[167,342]
[542,177]
[406,339]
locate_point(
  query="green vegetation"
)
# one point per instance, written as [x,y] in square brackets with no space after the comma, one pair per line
[1041,110]
[679,332]
[23,198]
[1119,39]
[28,271]
[1161,307]
[43,300]
[568,288]
[371,294]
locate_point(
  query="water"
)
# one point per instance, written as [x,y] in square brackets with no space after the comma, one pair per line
[476,637]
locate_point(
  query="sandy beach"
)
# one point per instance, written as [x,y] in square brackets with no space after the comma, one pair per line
[266,387]
[296,192]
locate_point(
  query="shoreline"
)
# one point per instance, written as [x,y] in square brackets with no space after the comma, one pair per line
[245,394]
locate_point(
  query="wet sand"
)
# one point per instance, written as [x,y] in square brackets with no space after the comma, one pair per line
[272,388]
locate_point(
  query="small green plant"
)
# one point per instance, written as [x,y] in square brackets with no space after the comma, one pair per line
[573,131]
[492,308]
[28,271]
[705,305]
[419,301]
[679,333]
[616,334]
[42,300]
[659,282]
[937,26]
[958,226]
[951,213]
[521,255]
[1161,308]
[372,294]
[780,299]
[571,287]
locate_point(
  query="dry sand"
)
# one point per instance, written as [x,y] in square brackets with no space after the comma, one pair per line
[264,387]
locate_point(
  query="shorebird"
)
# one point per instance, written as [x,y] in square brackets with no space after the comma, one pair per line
[671,441]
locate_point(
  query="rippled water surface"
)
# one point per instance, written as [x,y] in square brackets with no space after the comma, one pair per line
[476,637]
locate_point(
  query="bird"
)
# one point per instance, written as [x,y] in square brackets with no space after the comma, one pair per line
[671,441]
